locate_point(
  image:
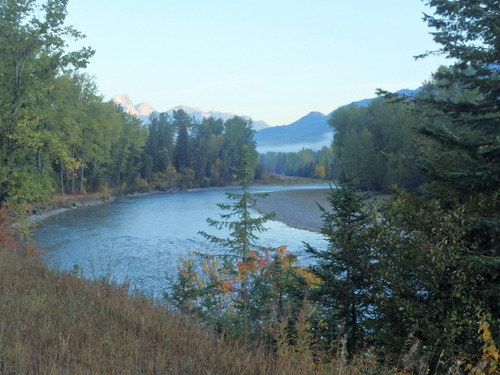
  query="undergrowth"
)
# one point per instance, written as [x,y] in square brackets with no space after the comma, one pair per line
[56,323]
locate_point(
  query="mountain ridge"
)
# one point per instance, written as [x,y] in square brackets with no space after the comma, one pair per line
[310,131]
[144,109]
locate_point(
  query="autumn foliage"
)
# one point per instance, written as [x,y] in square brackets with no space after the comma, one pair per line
[242,295]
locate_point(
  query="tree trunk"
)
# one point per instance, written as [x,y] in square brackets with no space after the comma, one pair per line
[61,176]
[82,168]
[73,176]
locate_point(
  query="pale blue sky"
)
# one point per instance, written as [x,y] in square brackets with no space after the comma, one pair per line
[272,60]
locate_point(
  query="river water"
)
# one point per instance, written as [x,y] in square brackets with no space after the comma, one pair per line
[139,240]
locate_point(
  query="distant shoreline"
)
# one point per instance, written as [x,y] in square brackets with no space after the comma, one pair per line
[42,211]
[296,208]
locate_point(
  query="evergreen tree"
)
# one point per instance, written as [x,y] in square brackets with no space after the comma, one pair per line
[441,249]
[238,219]
[207,142]
[182,151]
[344,268]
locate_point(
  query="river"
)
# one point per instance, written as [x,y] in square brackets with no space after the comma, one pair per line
[139,240]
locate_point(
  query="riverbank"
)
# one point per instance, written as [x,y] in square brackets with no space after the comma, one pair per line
[40,211]
[296,208]
[299,208]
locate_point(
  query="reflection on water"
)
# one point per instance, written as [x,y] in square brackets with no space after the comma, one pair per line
[139,240]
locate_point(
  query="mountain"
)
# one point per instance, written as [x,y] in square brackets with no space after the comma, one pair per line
[311,131]
[199,114]
[124,101]
[143,110]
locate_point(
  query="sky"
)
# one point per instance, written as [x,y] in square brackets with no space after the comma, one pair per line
[272,60]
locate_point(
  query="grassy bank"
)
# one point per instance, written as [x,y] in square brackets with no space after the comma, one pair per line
[55,323]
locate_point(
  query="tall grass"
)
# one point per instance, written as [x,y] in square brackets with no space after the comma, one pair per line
[55,323]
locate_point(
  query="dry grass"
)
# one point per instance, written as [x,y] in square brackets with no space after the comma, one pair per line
[55,323]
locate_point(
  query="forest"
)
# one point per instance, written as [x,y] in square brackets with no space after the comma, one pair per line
[409,286]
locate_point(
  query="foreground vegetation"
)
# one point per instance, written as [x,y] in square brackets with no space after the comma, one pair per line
[54,323]
[57,323]
[415,278]
[410,285]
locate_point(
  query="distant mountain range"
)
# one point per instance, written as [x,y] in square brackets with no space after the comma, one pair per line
[199,114]
[143,110]
[311,131]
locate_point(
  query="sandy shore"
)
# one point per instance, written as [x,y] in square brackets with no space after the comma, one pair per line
[296,208]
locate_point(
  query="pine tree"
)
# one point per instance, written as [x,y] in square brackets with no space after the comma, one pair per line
[344,268]
[441,250]
[182,150]
[238,219]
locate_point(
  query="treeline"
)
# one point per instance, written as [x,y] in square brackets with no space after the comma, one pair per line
[304,163]
[180,150]
[58,134]
[374,147]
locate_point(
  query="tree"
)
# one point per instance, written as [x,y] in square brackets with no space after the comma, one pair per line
[469,31]
[238,136]
[373,146]
[245,290]
[242,226]
[449,235]
[160,143]
[207,141]
[461,105]
[344,268]
[182,151]
[32,54]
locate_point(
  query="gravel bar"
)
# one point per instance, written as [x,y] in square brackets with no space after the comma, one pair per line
[296,208]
